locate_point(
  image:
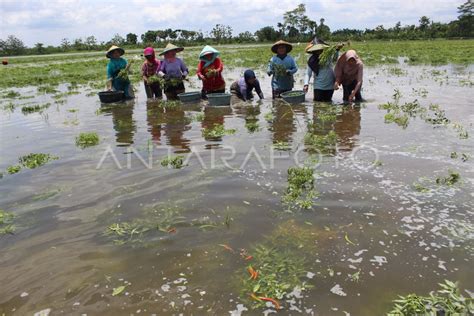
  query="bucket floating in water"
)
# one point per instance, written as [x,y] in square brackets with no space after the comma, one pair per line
[111,96]
[190,96]
[219,99]
[296,96]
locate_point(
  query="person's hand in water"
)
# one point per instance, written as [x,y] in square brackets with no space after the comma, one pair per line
[305,88]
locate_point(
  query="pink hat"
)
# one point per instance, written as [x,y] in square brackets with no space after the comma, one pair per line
[149,51]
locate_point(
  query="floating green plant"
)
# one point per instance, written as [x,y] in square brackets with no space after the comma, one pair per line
[218,130]
[34,108]
[322,143]
[448,300]
[300,192]
[451,179]
[175,162]
[6,222]
[87,139]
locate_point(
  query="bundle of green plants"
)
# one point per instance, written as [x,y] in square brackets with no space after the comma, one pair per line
[327,55]
[322,143]
[279,70]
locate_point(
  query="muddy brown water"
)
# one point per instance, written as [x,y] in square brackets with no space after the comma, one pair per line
[401,240]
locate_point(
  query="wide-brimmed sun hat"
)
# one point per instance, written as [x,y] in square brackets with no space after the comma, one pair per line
[289,47]
[169,47]
[315,47]
[113,48]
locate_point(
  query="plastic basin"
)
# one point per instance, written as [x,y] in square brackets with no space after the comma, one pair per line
[111,96]
[219,99]
[189,96]
[296,96]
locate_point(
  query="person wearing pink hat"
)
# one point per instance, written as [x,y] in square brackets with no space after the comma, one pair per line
[149,68]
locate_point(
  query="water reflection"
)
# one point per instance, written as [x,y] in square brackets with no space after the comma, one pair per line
[171,123]
[282,124]
[347,127]
[214,116]
[123,122]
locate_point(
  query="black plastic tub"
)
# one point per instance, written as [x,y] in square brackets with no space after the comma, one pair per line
[111,96]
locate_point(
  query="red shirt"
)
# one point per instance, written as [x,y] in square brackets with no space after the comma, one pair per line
[212,83]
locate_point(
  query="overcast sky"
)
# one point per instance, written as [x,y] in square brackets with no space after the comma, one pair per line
[50,21]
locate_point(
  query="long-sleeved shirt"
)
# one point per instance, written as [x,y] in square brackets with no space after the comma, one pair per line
[175,69]
[114,66]
[285,82]
[244,91]
[150,69]
[212,83]
[325,78]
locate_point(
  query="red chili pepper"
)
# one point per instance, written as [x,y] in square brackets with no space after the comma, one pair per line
[255,275]
[251,272]
[268,299]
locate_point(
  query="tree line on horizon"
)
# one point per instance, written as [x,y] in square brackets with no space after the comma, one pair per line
[295,27]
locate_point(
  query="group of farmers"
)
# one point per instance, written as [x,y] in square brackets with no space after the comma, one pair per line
[169,74]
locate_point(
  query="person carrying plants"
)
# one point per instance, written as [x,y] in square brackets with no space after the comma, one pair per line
[210,71]
[117,72]
[243,87]
[173,70]
[150,79]
[324,78]
[282,67]
[349,71]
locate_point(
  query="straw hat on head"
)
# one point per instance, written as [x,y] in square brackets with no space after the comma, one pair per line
[169,47]
[289,47]
[315,47]
[112,48]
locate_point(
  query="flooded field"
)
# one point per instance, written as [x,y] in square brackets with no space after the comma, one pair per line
[328,209]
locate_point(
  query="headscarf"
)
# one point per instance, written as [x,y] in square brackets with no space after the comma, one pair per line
[150,51]
[205,51]
[313,62]
[249,74]
[346,72]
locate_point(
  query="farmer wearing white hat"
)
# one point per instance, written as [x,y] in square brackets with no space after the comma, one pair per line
[115,65]
[324,78]
[210,71]
[173,70]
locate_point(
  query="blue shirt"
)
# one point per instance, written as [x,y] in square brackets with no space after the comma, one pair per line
[282,82]
[325,78]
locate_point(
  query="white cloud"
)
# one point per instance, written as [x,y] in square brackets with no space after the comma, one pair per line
[50,21]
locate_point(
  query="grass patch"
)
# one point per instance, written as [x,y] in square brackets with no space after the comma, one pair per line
[252,127]
[88,139]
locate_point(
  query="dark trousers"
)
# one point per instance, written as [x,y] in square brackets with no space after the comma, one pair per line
[173,91]
[348,90]
[204,93]
[323,95]
[153,90]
